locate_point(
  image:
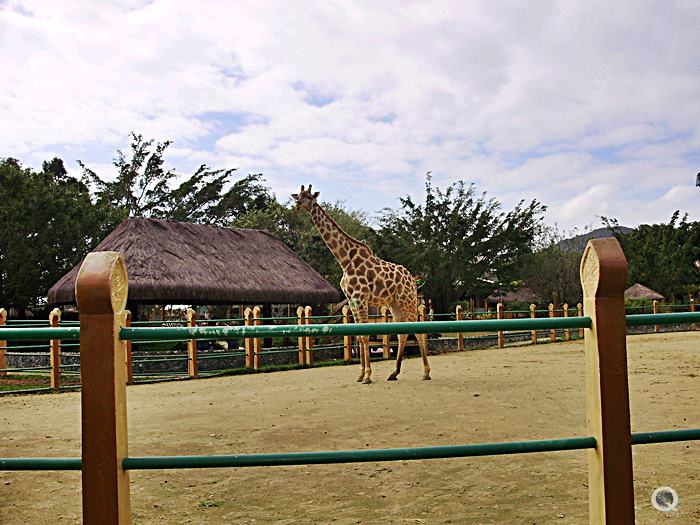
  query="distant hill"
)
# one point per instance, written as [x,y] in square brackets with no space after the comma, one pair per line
[579,242]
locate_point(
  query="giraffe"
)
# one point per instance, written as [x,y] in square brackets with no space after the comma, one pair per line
[368,281]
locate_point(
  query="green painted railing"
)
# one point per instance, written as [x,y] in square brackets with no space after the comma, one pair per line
[351,456]
[139,334]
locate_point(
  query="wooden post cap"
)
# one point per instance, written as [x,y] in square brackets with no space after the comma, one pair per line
[608,253]
[3,315]
[102,283]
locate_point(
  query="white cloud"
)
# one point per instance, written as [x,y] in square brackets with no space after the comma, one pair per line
[590,108]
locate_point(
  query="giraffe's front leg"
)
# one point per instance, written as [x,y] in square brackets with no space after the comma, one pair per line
[367,370]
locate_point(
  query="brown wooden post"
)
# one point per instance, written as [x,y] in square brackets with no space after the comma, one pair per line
[693,326]
[301,340]
[347,340]
[499,315]
[610,485]
[567,331]
[101,292]
[460,338]
[579,308]
[655,304]
[55,351]
[257,342]
[248,321]
[3,344]
[129,356]
[533,315]
[192,357]
[552,331]
[421,313]
[308,319]
[386,339]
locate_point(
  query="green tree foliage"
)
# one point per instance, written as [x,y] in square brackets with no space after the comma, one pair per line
[551,272]
[460,242]
[662,256]
[298,231]
[144,188]
[48,225]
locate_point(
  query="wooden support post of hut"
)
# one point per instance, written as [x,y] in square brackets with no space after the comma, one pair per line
[3,344]
[101,292]
[309,319]
[655,305]
[579,308]
[55,351]
[386,339]
[611,490]
[301,339]
[553,331]
[347,339]
[129,352]
[192,358]
[533,315]
[501,335]
[257,342]
[248,321]
[460,339]
[567,331]
[693,326]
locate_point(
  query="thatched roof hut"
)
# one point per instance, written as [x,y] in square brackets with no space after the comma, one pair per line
[639,291]
[182,263]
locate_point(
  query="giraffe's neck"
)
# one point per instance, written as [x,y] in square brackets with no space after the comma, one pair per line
[343,247]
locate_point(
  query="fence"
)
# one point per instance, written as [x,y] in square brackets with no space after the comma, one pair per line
[105,463]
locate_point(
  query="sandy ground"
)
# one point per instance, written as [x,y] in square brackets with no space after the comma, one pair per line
[478,396]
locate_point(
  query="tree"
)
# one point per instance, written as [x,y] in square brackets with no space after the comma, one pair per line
[298,231]
[552,271]
[460,242]
[48,224]
[662,256]
[142,188]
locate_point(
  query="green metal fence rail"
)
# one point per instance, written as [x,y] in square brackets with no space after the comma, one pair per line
[351,456]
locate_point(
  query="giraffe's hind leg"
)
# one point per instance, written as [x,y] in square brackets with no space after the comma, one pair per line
[398,316]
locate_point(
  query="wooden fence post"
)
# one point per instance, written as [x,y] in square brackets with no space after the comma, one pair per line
[301,340]
[308,314]
[257,342]
[386,338]
[693,326]
[579,308]
[347,340]
[533,315]
[129,356]
[460,339]
[553,331]
[248,321]
[567,331]
[655,304]
[610,485]
[499,315]
[3,344]
[55,351]
[421,313]
[101,292]
[192,357]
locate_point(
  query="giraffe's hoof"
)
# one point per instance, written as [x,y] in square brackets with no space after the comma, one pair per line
[426,377]
[359,379]
[366,381]
[392,377]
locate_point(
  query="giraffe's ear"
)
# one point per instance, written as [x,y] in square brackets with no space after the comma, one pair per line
[316,194]
[295,196]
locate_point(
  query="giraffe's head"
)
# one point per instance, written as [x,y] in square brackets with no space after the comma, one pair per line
[305,198]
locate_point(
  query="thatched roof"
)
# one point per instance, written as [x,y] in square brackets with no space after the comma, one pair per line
[181,263]
[639,291]
[522,295]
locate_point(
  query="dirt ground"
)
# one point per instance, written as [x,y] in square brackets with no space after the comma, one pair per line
[478,396]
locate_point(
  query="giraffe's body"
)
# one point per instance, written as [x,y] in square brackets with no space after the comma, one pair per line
[368,281]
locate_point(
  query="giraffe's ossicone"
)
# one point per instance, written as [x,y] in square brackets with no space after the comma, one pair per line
[368,281]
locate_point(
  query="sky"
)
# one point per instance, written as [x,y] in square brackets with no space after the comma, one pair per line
[591,108]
